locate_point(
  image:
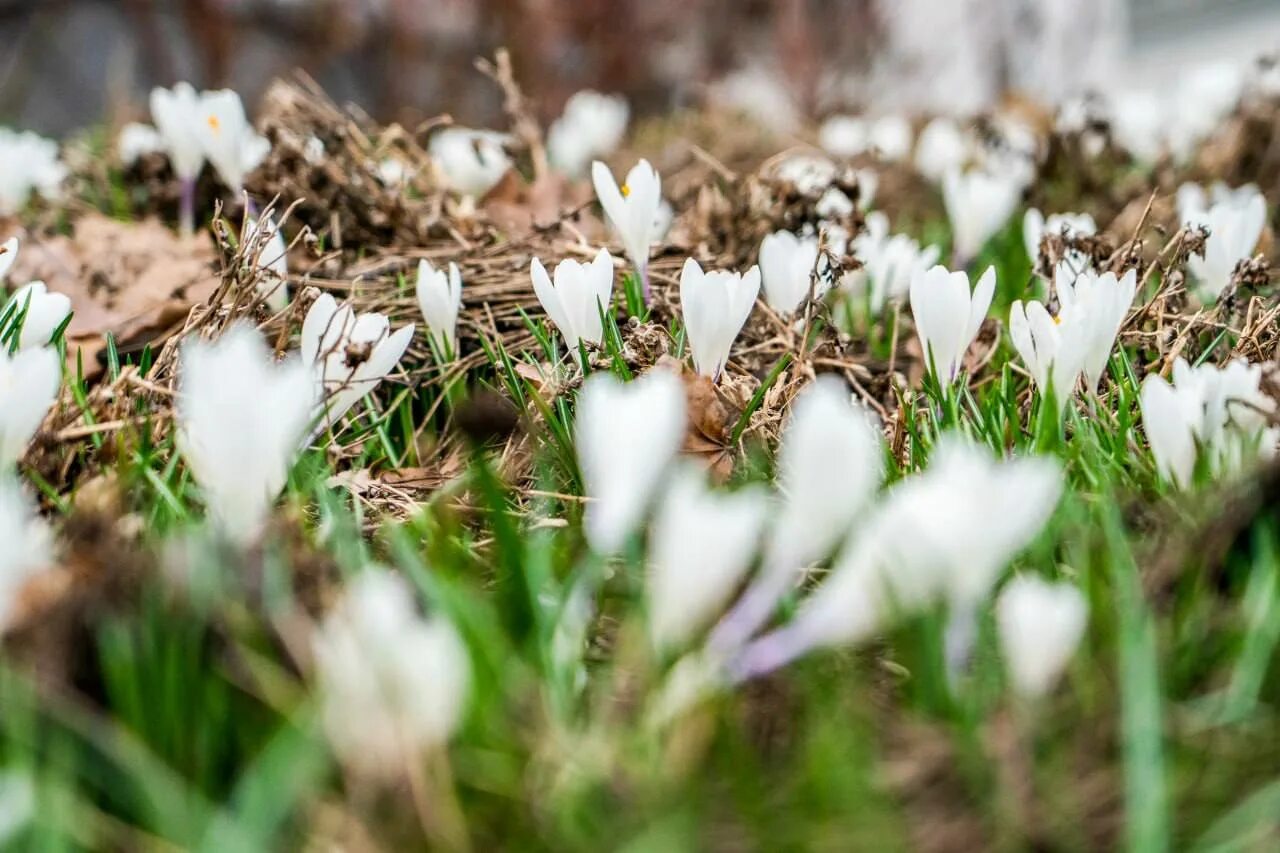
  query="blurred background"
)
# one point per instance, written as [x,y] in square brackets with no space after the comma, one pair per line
[65,64]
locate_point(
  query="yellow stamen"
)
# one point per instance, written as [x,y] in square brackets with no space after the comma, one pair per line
[214,124]
[1057,320]
[626,190]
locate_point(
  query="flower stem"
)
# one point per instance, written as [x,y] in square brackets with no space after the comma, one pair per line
[187,207]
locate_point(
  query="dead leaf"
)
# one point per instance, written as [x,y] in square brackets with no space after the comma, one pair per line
[709,433]
[516,206]
[135,280]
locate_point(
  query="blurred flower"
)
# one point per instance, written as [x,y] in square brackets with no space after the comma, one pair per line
[29,382]
[348,353]
[626,436]
[948,316]
[942,147]
[1235,221]
[1035,226]
[392,683]
[232,145]
[808,174]
[42,313]
[1218,414]
[889,262]
[241,420]
[715,305]
[440,299]
[313,150]
[786,267]
[761,94]
[591,127]
[1205,95]
[700,547]
[179,119]
[273,259]
[929,539]
[472,161]
[178,116]
[1138,119]
[888,137]
[830,463]
[577,300]
[844,136]
[27,544]
[978,204]
[1040,625]
[8,254]
[1194,201]
[633,209]
[30,164]
[136,140]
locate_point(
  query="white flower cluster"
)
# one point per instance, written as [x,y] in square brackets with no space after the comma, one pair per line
[924,540]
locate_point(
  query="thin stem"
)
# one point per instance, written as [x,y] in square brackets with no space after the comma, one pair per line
[187,207]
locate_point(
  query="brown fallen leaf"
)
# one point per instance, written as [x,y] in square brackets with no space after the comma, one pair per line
[135,280]
[515,206]
[709,433]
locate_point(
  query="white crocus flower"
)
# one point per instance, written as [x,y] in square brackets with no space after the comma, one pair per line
[1080,338]
[241,420]
[889,262]
[42,313]
[1052,348]
[633,209]
[942,148]
[844,136]
[29,382]
[978,204]
[1138,120]
[392,683]
[348,353]
[1100,303]
[715,305]
[440,300]
[473,161]
[948,316]
[27,544]
[577,300]
[928,540]
[1235,222]
[136,140]
[626,435]
[273,259]
[591,127]
[1040,625]
[786,268]
[808,174]
[8,254]
[232,145]
[1220,414]
[700,547]
[179,119]
[1035,226]
[28,164]
[1193,201]
[890,137]
[1170,417]
[830,462]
